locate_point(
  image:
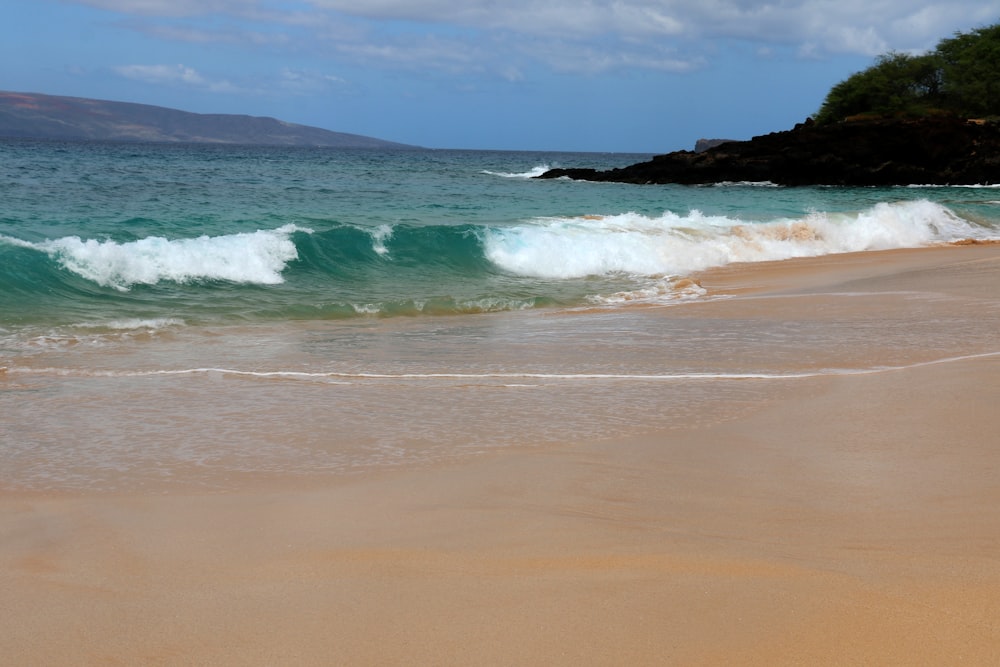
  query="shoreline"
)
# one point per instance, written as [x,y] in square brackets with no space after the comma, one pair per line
[811,273]
[840,519]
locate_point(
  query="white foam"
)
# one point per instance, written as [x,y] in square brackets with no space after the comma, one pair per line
[972,186]
[746,184]
[531,173]
[254,257]
[675,245]
[380,235]
[657,290]
[346,377]
[367,308]
[482,305]
[17,243]
[135,323]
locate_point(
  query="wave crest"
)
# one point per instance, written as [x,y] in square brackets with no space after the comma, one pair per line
[562,248]
[254,257]
[531,173]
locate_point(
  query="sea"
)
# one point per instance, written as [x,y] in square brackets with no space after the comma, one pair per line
[207,316]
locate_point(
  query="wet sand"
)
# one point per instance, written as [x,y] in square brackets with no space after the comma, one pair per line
[854,520]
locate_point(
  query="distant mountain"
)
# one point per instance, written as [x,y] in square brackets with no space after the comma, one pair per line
[703,145]
[31,115]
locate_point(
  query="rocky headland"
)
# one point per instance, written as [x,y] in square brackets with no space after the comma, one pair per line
[941,150]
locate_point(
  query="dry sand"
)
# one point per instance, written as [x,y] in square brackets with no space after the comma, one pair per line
[857,522]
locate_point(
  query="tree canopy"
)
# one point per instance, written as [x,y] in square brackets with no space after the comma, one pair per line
[961,76]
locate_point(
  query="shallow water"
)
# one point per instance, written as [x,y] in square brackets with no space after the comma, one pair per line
[198,316]
[209,407]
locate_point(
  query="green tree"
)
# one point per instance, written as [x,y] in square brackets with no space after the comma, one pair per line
[961,76]
[896,83]
[971,71]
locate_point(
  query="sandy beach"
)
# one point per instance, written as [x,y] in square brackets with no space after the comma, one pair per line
[844,519]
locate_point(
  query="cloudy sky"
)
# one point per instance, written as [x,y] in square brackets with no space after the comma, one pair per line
[587,75]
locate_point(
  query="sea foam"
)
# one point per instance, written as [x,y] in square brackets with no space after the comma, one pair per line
[672,245]
[254,257]
[380,235]
[534,172]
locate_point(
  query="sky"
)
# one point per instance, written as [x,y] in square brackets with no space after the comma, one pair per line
[645,76]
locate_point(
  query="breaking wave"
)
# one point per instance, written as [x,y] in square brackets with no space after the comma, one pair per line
[412,270]
[671,244]
[256,258]
[531,173]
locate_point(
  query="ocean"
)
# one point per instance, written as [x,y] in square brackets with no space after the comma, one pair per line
[194,316]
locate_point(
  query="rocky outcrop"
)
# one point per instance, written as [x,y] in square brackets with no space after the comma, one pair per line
[936,150]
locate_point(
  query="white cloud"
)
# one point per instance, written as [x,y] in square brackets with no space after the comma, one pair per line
[556,17]
[595,59]
[287,81]
[898,24]
[172,7]
[175,74]
[418,53]
[507,39]
[865,27]
[839,25]
[194,35]
[302,81]
[856,40]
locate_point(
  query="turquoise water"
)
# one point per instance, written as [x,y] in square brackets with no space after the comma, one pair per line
[193,314]
[106,232]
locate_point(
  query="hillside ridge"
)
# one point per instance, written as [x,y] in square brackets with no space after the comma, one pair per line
[40,116]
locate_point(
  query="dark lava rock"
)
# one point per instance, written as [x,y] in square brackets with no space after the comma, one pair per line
[939,150]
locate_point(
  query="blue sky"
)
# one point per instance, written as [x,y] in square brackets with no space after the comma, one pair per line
[577,75]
